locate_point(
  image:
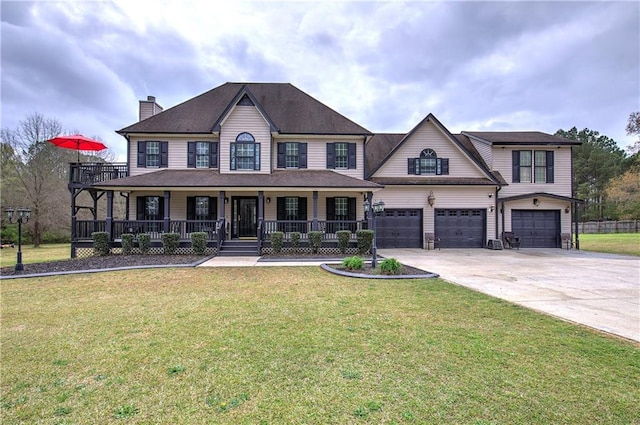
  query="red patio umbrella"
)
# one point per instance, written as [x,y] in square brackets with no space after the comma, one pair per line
[78,142]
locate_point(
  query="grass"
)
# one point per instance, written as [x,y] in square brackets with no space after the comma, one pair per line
[297,345]
[42,254]
[612,243]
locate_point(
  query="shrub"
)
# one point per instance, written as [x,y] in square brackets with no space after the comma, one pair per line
[343,240]
[199,242]
[365,241]
[353,263]
[100,243]
[390,266]
[277,241]
[127,243]
[170,242]
[144,241]
[315,240]
[295,241]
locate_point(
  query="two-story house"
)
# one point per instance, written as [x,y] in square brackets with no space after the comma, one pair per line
[246,159]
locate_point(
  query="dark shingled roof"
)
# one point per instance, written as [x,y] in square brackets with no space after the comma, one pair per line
[378,147]
[520,138]
[464,140]
[433,181]
[289,110]
[308,179]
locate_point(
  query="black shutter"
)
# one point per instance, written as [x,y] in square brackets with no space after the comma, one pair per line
[191,154]
[232,156]
[442,167]
[411,166]
[331,209]
[164,154]
[351,209]
[140,207]
[302,208]
[302,153]
[351,150]
[256,153]
[142,152]
[516,167]
[160,208]
[281,208]
[549,166]
[213,154]
[191,207]
[331,156]
[213,208]
[282,150]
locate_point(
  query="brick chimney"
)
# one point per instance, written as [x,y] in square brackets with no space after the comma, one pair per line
[149,108]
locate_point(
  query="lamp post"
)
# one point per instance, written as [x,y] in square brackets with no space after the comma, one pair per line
[23,215]
[375,209]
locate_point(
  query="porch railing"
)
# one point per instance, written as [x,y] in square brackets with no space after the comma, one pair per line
[90,173]
[327,227]
[155,228]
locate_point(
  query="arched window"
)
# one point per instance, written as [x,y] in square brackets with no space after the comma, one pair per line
[428,161]
[245,153]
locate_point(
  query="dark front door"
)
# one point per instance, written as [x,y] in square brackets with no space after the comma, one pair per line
[245,216]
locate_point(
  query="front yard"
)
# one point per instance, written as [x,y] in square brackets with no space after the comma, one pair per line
[297,345]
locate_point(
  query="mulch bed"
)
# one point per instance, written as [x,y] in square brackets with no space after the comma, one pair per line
[106,262]
[368,270]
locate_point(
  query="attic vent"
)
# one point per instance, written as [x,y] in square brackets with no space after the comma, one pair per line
[245,101]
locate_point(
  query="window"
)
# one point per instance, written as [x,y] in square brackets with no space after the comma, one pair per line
[292,208]
[152,208]
[202,208]
[533,166]
[428,163]
[292,155]
[341,155]
[245,153]
[341,209]
[202,155]
[153,154]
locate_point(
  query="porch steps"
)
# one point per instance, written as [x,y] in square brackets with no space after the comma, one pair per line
[239,248]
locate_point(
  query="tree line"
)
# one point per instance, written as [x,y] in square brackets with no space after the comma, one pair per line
[35,175]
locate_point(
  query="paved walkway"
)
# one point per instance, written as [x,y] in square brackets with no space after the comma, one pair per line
[601,291]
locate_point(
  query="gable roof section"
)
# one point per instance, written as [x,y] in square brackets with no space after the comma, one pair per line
[377,148]
[288,110]
[506,138]
[390,142]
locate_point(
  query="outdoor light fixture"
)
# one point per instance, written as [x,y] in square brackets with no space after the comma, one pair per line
[431,199]
[376,208]
[23,215]
[226,200]
[566,210]
[268,200]
[536,202]
[491,207]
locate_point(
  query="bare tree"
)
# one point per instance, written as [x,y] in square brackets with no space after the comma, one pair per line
[38,172]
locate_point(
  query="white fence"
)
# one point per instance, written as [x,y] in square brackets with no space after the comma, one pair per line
[622,226]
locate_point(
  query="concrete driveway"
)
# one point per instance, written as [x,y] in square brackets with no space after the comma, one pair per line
[598,290]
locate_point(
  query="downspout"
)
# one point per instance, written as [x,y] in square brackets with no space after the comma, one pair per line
[575,204]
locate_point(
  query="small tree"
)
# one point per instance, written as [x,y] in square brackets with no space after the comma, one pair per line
[343,240]
[199,242]
[315,240]
[100,243]
[127,243]
[365,241]
[144,242]
[277,240]
[295,241]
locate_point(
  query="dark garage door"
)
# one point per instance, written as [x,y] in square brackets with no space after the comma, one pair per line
[460,228]
[399,228]
[536,228]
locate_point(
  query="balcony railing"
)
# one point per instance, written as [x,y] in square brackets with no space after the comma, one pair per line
[91,173]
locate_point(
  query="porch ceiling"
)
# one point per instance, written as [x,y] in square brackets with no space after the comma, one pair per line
[194,179]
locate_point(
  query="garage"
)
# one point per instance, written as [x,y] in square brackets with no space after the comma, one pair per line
[399,228]
[537,228]
[460,228]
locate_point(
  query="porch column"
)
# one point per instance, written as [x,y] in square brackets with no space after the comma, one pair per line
[109,217]
[73,224]
[260,205]
[167,213]
[125,195]
[370,215]
[314,226]
[223,194]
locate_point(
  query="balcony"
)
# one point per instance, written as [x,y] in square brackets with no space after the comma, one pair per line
[83,174]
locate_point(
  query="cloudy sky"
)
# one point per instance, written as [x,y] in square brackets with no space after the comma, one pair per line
[386,65]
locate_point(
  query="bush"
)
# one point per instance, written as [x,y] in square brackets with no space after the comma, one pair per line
[199,242]
[170,242]
[144,242]
[9,233]
[365,241]
[100,243]
[343,240]
[127,243]
[353,263]
[315,240]
[295,241]
[390,266]
[277,239]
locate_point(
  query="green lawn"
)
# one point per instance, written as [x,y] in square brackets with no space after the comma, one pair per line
[265,345]
[613,243]
[43,253]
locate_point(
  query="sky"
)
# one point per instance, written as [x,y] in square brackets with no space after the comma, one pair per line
[477,66]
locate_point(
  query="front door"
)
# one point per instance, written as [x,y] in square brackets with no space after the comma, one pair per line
[245,216]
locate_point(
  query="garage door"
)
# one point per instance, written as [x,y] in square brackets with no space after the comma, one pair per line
[399,228]
[460,228]
[536,228]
